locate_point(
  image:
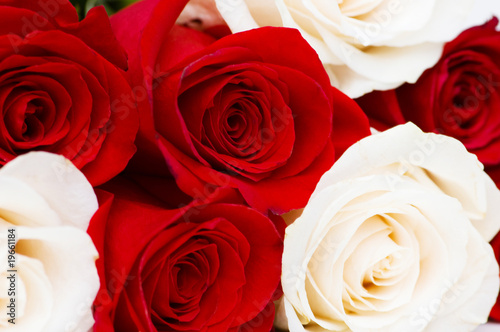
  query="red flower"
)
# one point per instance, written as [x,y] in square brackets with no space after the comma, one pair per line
[253,111]
[212,267]
[458,97]
[62,87]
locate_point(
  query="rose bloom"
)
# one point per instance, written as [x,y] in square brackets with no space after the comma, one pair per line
[458,97]
[203,267]
[364,45]
[253,111]
[62,87]
[46,206]
[394,238]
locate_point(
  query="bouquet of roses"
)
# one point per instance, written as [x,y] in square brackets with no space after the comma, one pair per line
[175,165]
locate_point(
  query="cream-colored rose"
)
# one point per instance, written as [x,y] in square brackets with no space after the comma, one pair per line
[50,283]
[365,45]
[394,238]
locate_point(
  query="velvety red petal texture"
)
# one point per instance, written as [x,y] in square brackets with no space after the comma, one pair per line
[129,26]
[458,97]
[204,267]
[382,109]
[348,127]
[63,87]
[253,111]
[97,231]
[57,12]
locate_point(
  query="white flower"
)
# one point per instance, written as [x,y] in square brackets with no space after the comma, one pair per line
[394,238]
[364,44]
[46,204]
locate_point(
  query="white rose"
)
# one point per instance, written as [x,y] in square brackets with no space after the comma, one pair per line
[394,238]
[365,45]
[46,204]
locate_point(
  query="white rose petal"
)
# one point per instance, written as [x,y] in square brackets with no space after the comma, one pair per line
[57,181]
[438,161]
[365,44]
[48,204]
[387,243]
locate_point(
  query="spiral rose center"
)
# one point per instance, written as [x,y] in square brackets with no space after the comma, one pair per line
[377,262]
[26,119]
[246,126]
[241,130]
[382,267]
[32,126]
[467,92]
[180,282]
[466,104]
[188,279]
[235,124]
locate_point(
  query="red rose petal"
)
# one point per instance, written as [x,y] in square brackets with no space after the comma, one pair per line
[60,12]
[382,109]
[348,127]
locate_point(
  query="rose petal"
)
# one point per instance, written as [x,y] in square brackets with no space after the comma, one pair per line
[412,150]
[58,248]
[58,182]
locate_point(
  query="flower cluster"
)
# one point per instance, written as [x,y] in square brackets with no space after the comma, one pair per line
[201,166]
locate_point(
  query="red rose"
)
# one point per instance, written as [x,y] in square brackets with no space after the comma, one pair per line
[62,87]
[211,267]
[253,111]
[458,97]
